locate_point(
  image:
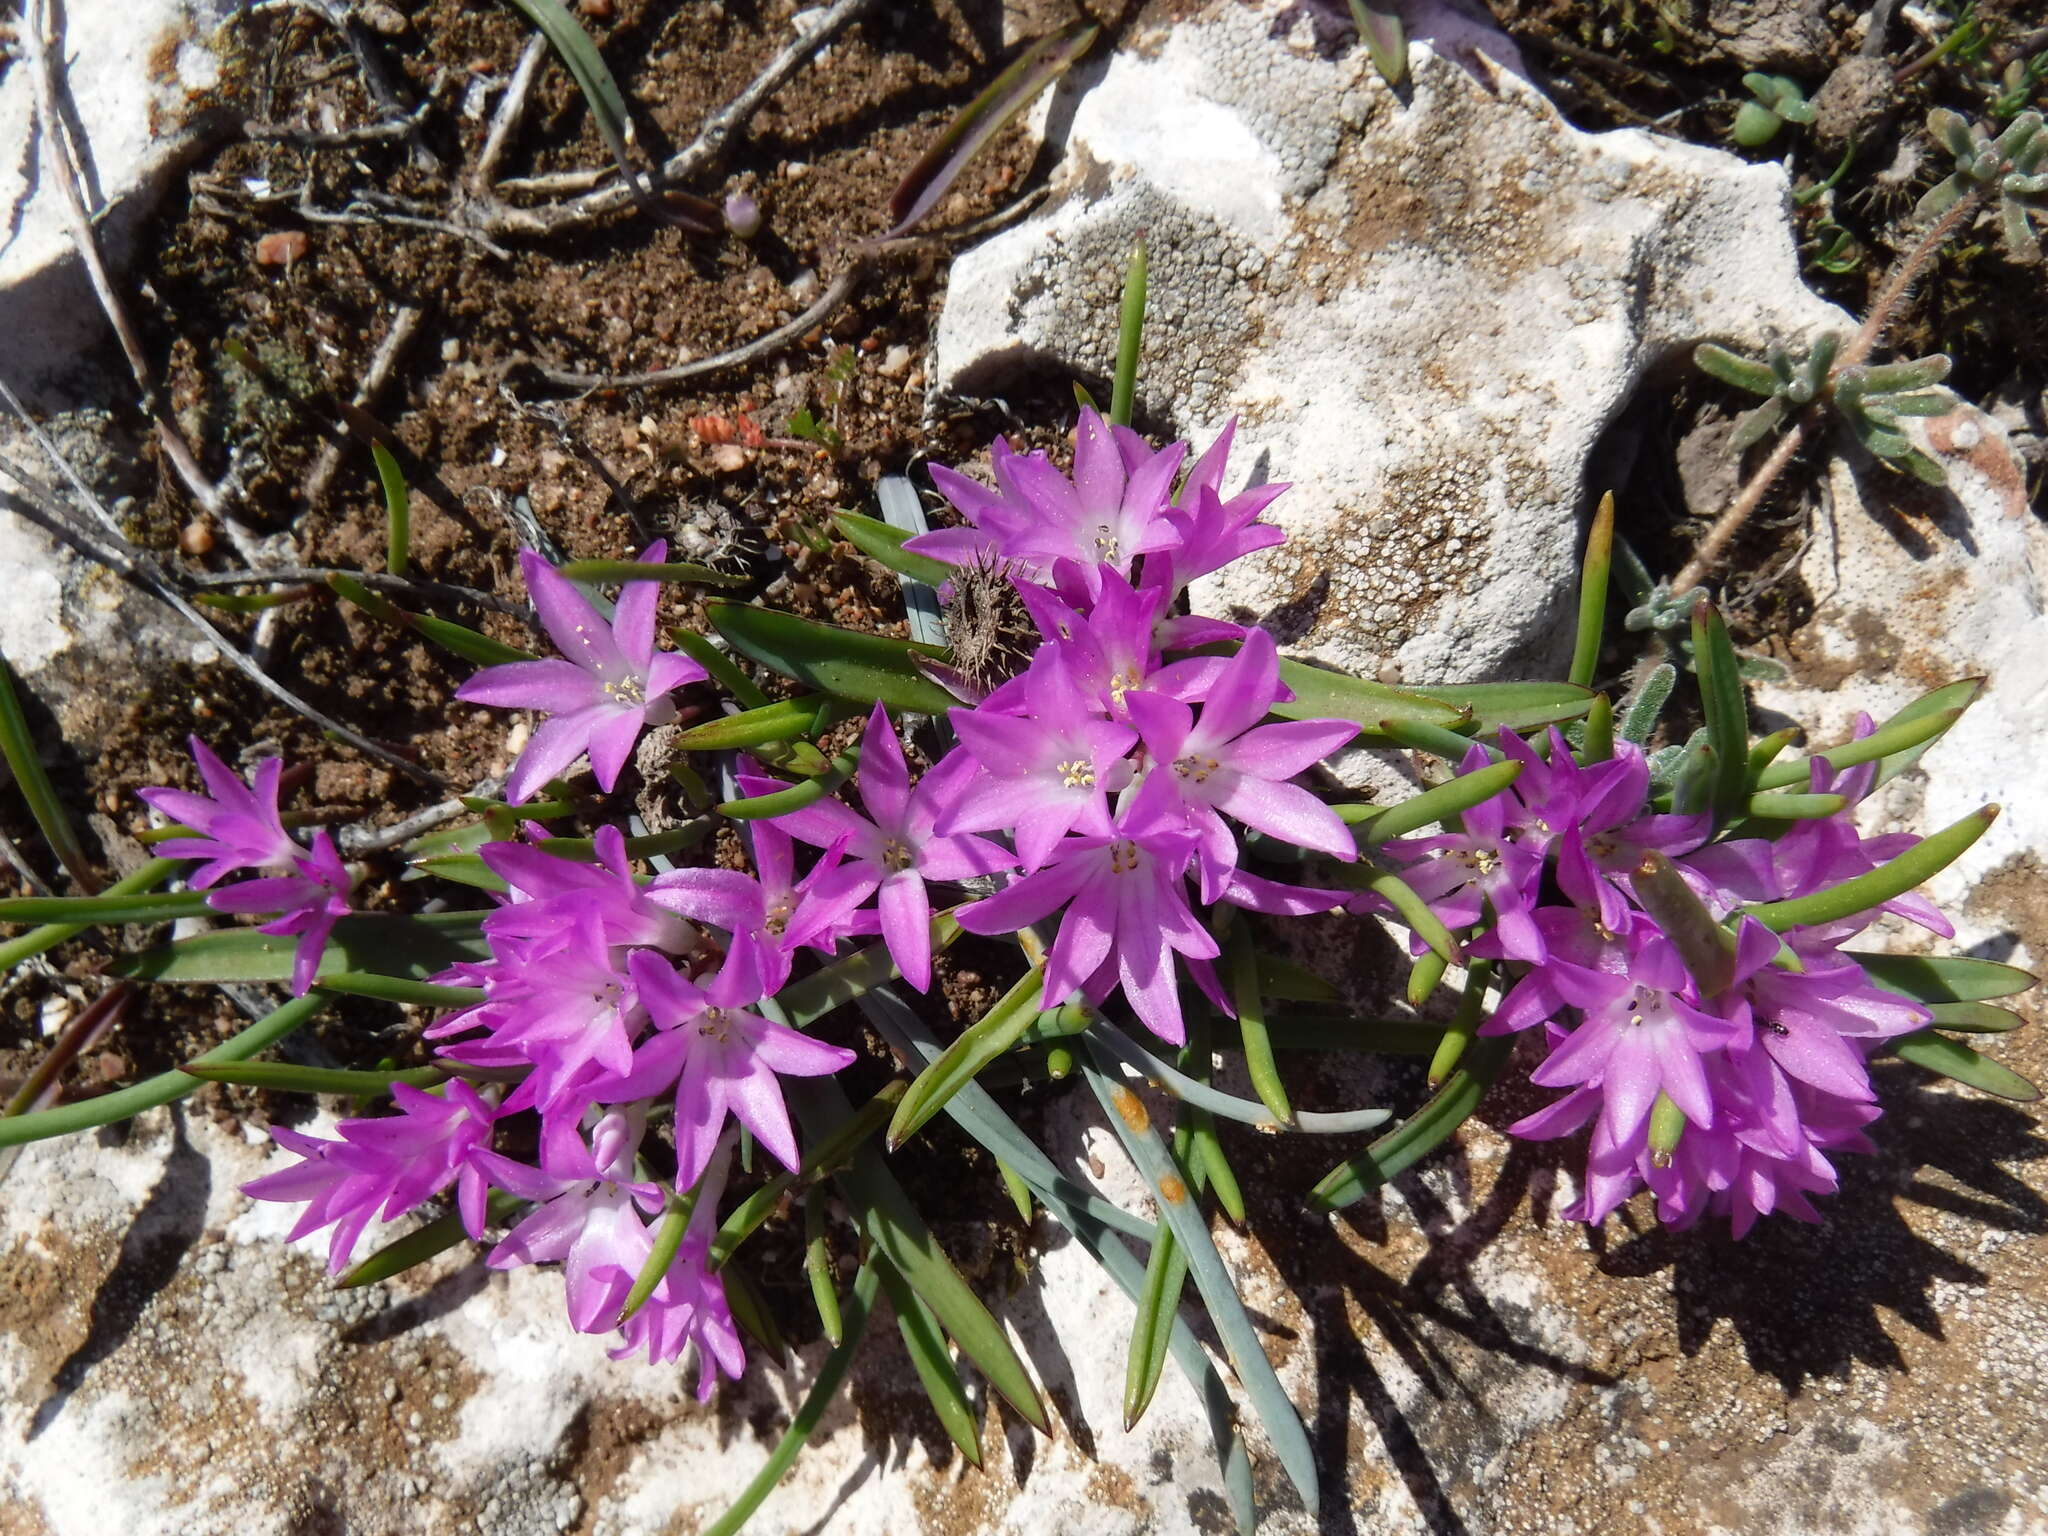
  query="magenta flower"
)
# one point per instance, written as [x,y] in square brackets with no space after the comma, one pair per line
[560,1003]
[308,902]
[1227,762]
[1461,874]
[590,1224]
[688,1307]
[1044,771]
[1643,1031]
[549,891]
[896,852]
[238,828]
[613,684]
[1127,917]
[721,1058]
[776,914]
[1112,511]
[386,1166]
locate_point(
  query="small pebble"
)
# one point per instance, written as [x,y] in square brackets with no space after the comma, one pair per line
[196,538]
[282,247]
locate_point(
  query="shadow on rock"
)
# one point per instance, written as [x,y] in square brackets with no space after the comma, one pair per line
[1808,1301]
[162,1233]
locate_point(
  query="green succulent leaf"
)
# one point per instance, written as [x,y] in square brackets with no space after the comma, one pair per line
[1939,979]
[861,668]
[883,543]
[978,1045]
[1974,1018]
[1448,1108]
[926,1345]
[1733,368]
[1917,864]
[1953,1059]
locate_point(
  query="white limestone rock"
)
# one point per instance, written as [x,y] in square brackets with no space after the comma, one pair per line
[1424,310]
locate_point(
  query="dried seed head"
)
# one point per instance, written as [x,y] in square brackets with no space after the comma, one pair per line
[988,628]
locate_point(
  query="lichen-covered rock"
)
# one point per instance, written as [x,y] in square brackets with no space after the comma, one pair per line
[1424,308]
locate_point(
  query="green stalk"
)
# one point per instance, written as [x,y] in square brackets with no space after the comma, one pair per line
[1593,578]
[36,940]
[125,1103]
[1130,331]
[20,751]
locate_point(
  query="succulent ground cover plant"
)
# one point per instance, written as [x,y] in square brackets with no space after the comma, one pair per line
[637,1064]
[1125,798]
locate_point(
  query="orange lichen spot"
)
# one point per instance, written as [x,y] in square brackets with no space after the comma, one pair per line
[1173,1189]
[1132,1108]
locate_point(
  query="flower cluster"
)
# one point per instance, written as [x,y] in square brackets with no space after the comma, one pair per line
[1108,787]
[1722,1082]
[237,827]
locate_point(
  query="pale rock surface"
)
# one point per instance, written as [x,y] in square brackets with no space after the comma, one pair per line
[1422,309]
[131,69]
[1467,1362]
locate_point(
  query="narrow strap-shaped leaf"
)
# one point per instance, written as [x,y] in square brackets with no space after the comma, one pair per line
[1129,337]
[1385,39]
[85,911]
[1793,807]
[1958,695]
[1133,1127]
[1593,583]
[397,511]
[1251,1022]
[18,747]
[456,638]
[1424,976]
[724,671]
[809,998]
[415,947]
[884,544]
[126,1103]
[1018,1191]
[1448,1108]
[592,75]
[978,1045]
[1598,746]
[1322,694]
[1420,917]
[783,721]
[1942,978]
[1166,1272]
[1920,863]
[1730,368]
[1043,62]
[1463,1027]
[607,572]
[1451,798]
[1726,710]
[781,802]
[818,1268]
[1194,1091]
[933,1362]
[289,1077]
[1492,707]
[1953,1059]
[1897,735]
[893,1225]
[50,935]
[804,1422]
[1974,1018]
[1424,737]
[862,668]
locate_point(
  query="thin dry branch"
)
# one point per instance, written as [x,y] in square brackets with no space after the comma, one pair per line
[57,155]
[510,114]
[141,568]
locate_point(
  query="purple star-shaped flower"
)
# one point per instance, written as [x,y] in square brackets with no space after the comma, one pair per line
[1225,761]
[1044,771]
[722,1059]
[386,1166]
[613,684]
[238,828]
[309,902]
[896,852]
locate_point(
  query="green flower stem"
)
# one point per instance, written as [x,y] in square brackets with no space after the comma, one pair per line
[125,1103]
